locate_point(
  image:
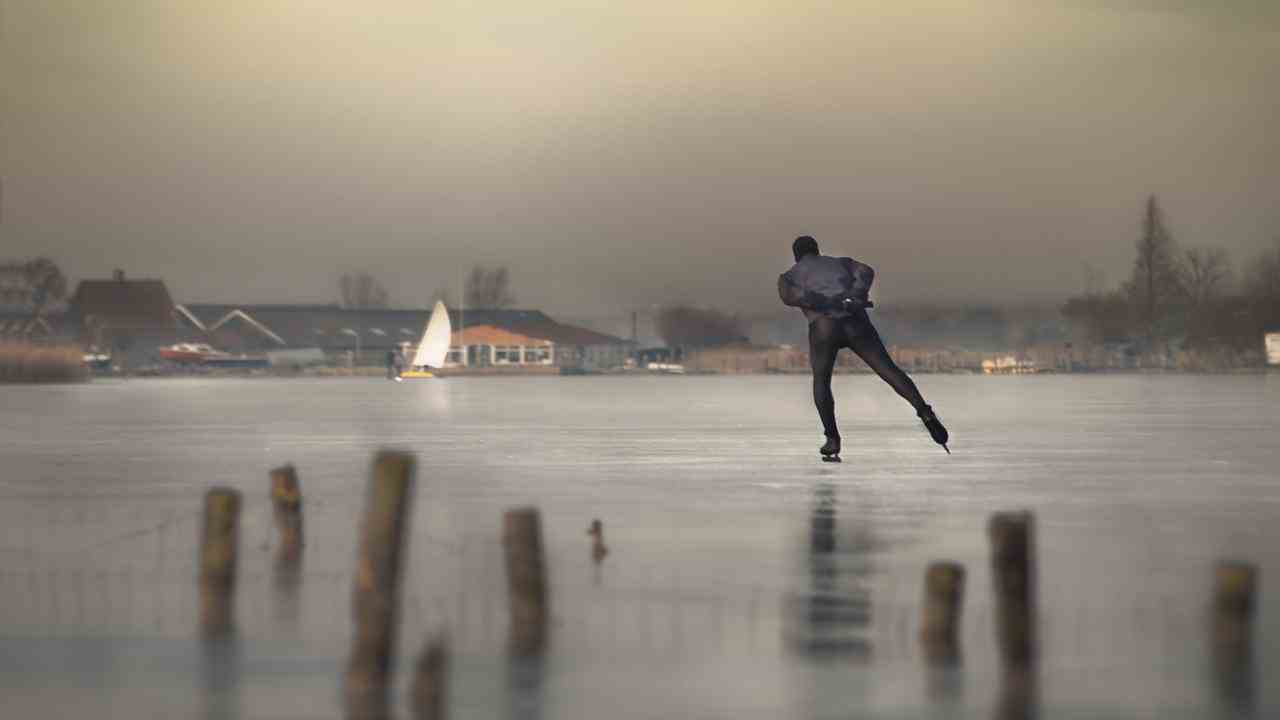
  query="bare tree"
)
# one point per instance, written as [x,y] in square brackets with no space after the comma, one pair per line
[1203,275]
[1262,284]
[489,289]
[32,285]
[361,291]
[684,326]
[1154,282]
[13,285]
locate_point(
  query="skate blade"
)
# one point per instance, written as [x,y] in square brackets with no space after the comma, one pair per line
[831,458]
[944,447]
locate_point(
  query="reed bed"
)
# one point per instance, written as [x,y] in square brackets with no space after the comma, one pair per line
[30,363]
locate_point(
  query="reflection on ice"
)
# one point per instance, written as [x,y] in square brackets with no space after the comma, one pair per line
[831,619]
[221,676]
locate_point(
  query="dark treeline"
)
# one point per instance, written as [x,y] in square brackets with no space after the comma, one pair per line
[971,327]
[1182,299]
[684,326]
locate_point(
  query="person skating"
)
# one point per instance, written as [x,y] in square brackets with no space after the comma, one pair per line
[392,371]
[833,293]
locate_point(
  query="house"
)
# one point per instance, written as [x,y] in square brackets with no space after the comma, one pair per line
[576,348]
[489,345]
[130,319]
[533,342]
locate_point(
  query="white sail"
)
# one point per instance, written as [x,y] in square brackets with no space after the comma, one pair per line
[435,340]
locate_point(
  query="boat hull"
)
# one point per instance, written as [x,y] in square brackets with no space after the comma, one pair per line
[181,356]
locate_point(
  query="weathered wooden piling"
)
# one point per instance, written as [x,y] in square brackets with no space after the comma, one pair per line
[286,507]
[219,546]
[526,579]
[286,504]
[375,592]
[940,618]
[431,680]
[598,548]
[1013,570]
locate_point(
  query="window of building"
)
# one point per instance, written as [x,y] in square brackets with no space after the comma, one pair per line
[540,355]
[506,354]
[455,355]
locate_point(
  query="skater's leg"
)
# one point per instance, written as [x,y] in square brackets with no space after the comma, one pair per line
[824,343]
[866,342]
[868,345]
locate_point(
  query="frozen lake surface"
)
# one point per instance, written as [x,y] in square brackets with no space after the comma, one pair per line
[726,534]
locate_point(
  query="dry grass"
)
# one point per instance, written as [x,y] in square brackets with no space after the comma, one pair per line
[29,363]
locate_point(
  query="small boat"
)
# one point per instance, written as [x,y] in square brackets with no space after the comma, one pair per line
[192,353]
[98,362]
[434,346]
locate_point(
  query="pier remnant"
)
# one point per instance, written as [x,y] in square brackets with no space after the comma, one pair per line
[526,579]
[1013,570]
[219,546]
[375,591]
[286,504]
[943,603]
[598,548]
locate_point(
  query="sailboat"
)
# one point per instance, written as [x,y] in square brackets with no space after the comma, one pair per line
[434,346]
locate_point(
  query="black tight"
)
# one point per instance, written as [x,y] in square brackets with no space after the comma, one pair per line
[826,337]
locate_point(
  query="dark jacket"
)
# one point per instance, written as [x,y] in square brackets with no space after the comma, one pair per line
[817,284]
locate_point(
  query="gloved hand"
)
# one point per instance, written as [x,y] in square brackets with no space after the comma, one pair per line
[847,302]
[853,302]
[817,301]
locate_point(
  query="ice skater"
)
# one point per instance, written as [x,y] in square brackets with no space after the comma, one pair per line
[833,294]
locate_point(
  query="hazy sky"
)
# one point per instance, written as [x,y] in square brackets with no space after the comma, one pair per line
[621,154]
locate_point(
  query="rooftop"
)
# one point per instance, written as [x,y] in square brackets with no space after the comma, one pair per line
[123,303]
[332,325]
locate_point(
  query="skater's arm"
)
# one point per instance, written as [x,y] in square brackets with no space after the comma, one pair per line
[862,276]
[793,296]
[789,292]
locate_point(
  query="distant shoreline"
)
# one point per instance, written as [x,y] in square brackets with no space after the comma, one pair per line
[346,373]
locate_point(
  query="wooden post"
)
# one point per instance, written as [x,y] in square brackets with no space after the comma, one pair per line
[1013,570]
[526,579]
[286,503]
[375,593]
[940,620]
[598,548]
[431,680]
[219,545]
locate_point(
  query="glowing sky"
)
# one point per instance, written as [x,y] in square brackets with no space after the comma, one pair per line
[618,155]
